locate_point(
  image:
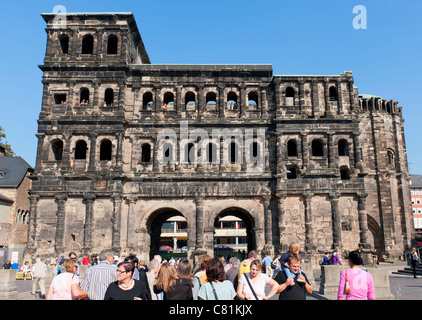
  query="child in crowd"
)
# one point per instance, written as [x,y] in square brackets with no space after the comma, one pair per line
[294,249]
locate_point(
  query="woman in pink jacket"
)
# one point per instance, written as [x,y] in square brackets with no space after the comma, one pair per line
[355,283]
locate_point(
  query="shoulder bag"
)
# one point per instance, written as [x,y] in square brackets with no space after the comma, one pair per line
[347,284]
[213,290]
[250,286]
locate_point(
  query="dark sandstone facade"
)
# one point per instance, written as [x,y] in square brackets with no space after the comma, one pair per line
[334,173]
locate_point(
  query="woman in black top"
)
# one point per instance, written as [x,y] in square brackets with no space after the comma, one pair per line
[125,288]
[174,287]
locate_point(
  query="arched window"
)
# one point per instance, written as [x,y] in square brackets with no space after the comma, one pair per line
[146,153]
[317,148]
[84,96]
[168,99]
[109,97]
[291,148]
[189,153]
[88,44]
[147,100]
[212,153]
[333,93]
[190,100]
[390,159]
[233,153]
[290,96]
[291,172]
[211,98]
[344,173]
[343,148]
[64,44]
[254,150]
[57,149]
[252,99]
[80,150]
[105,150]
[232,101]
[112,43]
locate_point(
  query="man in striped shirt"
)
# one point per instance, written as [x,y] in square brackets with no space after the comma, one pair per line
[98,277]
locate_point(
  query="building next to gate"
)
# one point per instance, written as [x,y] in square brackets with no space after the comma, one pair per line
[124,145]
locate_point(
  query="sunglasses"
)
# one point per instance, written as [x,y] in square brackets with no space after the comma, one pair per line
[118,271]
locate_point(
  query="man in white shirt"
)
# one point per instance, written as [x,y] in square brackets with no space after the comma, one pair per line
[39,272]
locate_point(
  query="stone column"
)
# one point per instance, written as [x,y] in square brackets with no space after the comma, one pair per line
[40,151]
[61,217]
[307,201]
[339,98]
[281,221]
[363,220]
[264,105]
[244,100]
[315,97]
[268,221]
[33,205]
[157,100]
[351,95]
[199,201]
[89,199]
[93,142]
[66,153]
[221,99]
[327,98]
[305,150]
[116,220]
[131,224]
[336,219]
[302,106]
[119,153]
[331,157]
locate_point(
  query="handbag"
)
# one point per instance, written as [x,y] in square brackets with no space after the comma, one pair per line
[347,284]
[213,290]
[250,286]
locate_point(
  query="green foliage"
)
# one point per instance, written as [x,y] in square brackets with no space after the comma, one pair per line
[3,143]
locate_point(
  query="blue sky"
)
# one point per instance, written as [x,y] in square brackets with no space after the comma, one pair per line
[295,37]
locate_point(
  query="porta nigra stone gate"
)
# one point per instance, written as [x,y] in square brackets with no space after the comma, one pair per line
[331,169]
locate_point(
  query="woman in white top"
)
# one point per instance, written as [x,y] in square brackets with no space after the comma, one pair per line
[65,286]
[257,280]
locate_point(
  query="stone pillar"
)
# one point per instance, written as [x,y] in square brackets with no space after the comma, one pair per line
[336,220]
[305,150]
[309,243]
[264,105]
[327,98]
[339,98]
[89,199]
[221,99]
[40,151]
[119,153]
[93,142]
[281,221]
[331,157]
[315,97]
[356,150]
[116,220]
[199,222]
[302,106]
[8,289]
[60,227]
[244,100]
[130,243]
[351,95]
[157,101]
[363,220]
[33,205]
[268,221]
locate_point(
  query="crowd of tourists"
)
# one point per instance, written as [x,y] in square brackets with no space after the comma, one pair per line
[255,278]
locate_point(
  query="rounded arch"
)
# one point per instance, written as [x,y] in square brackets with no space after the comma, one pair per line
[377,240]
[88,44]
[247,218]
[154,222]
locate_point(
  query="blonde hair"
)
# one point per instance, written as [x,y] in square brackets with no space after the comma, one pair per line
[167,277]
[69,264]
[294,246]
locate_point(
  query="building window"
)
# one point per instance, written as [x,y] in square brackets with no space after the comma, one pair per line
[168,99]
[390,159]
[190,100]
[211,98]
[190,153]
[105,150]
[317,148]
[57,149]
[64,44]
[252,99]
[290,96]
[88,44]
[80,150]
[344,173]
[233,153]
[291,148]
[343,148]
[146,153]
[232,101]
[291,172]
[60,98]
[109,98]
[212,153]
[333,93]
[112,43]
[84,97]
[147,100]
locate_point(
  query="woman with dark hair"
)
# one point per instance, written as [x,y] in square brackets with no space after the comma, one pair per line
[216,287]
[125,288]
[414,261]
[173,286]
[356,283]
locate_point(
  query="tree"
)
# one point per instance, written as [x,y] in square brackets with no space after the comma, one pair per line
[4,144]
